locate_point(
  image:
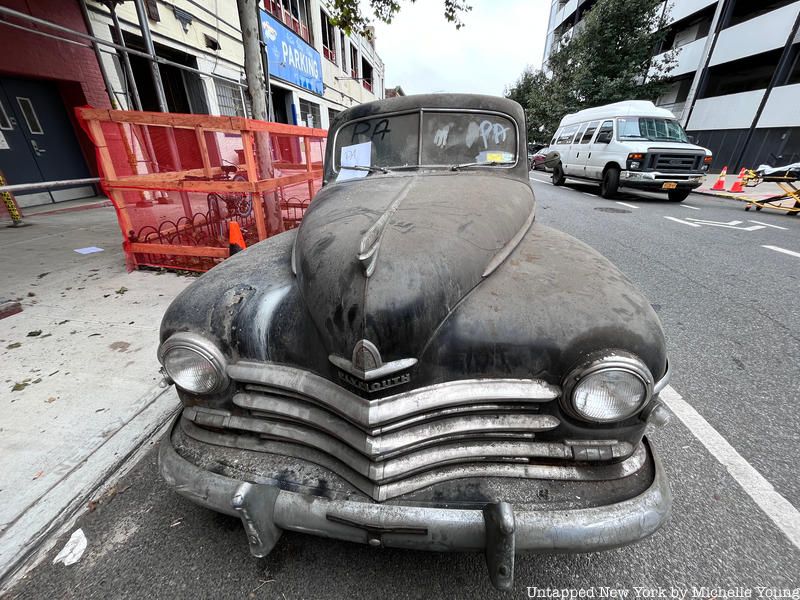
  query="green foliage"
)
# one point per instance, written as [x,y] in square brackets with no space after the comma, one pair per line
[609,59]
[347,14]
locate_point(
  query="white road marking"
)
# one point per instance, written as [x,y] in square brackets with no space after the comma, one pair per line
[768,225]
[687,206]
[626,204]
[784,250]
[682,221]
[590,194]
[727,225]
[776,507]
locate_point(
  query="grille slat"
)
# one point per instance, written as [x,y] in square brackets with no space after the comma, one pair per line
[676,163]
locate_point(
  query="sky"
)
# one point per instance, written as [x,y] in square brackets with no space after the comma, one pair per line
[423,52]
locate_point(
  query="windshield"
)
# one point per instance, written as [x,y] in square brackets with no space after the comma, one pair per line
[649,128]
[449,138]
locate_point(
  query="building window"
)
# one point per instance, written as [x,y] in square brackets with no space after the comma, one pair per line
[292,13]
[353,61]
[328,37]
[366,71]
[744,10]
[742,75]
[332,115]
[229,98]
[342,46]
[309,114]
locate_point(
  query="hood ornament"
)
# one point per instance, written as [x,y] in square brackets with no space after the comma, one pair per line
[367,371]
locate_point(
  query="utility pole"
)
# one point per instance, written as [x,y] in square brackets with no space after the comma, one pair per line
[253,63]
[250,23]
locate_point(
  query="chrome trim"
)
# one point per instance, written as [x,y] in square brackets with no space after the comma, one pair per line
[316,421]
[608,360]
[356,366]
[202,346]
[268,510]
[380,411]
[419,480]
[659,385]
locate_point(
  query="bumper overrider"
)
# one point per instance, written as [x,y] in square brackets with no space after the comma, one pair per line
[499,530]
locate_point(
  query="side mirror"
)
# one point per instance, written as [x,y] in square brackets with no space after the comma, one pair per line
[692,139]
[604,137]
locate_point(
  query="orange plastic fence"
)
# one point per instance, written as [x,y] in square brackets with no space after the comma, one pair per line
[177,181]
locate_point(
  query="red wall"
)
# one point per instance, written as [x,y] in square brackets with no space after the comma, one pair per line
[74,67]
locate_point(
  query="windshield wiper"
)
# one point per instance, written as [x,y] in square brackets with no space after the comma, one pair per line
[492,163]
[367,168]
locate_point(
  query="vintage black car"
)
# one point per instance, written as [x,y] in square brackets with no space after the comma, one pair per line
[421,364]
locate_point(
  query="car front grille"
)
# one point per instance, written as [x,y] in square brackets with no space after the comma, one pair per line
[676,162]
[394,445]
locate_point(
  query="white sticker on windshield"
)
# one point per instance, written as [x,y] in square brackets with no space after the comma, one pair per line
[357,155]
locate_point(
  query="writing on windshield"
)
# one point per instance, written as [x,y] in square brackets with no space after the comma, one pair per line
[649,128]
[432,139]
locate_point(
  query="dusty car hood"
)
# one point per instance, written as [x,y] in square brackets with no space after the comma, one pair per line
[429,239]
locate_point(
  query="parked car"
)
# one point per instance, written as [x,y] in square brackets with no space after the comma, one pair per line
[421,364]
[630,144]
[539,158]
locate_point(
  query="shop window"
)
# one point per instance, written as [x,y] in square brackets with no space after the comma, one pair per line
[310,114]
[328,37]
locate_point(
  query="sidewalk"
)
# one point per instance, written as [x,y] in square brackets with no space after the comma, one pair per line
[79,390]
[759,192]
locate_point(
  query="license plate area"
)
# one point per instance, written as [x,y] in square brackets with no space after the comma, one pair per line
[669,185]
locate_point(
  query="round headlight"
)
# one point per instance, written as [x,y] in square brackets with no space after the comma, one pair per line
[193,363]
[611,388]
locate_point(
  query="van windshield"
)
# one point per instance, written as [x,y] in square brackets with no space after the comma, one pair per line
[650,128]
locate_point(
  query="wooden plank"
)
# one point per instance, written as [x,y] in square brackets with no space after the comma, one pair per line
[125,224]
[309,167]
[201,144]
[146,248]
[268,185]
[107,169]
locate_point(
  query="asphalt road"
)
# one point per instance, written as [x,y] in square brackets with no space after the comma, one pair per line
[730,309]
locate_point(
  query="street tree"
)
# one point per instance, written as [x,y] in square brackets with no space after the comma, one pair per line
[609,59]
[348,14]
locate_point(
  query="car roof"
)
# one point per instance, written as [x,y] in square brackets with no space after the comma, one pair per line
[639,108]
[418,101]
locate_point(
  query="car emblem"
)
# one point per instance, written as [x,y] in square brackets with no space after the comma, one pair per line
[367,371]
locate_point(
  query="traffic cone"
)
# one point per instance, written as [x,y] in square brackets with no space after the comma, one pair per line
[720,184]
[235,238]
[738,185]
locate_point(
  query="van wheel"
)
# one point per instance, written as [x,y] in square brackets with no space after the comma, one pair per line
[610,183]
[678,195]
[558,175]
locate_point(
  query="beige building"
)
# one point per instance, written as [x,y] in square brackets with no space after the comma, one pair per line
[315,69]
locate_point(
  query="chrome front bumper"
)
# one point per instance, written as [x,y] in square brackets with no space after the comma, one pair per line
[266,510]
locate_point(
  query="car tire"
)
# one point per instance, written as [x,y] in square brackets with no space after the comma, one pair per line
[558,175]
[678,195]
[610,183]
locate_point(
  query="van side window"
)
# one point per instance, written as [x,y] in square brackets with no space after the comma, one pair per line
[589,133]
[606,128]
[579,133]
[566,135]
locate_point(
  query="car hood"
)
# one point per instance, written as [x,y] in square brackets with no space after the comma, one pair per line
[387,258]
[663,146]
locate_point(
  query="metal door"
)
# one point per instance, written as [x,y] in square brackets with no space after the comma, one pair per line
[40,138]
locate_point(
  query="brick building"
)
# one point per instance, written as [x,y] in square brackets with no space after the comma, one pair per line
[42,79]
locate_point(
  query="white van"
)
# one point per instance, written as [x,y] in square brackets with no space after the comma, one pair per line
[629,144]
